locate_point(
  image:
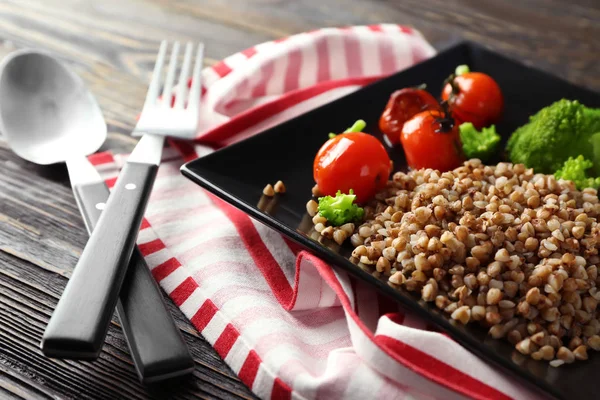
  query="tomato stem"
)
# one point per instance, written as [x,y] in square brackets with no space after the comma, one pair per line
[461,70]
[358,126]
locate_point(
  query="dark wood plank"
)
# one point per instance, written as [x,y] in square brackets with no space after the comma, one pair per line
[112,45]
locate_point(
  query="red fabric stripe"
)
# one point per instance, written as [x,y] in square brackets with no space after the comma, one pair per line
[249,369]
[257,114]
[376,28]
[203,316]
[183,291]
[151,247]
[184,148]
[292,73]
[431,367]
[352,50]
[145,224]
[281,391]
[165,269]
[101,158]
[259,252]
[221,69]
[323,73]
[406,29]
[396,317]
[249,52]
[110,182]
[226,341]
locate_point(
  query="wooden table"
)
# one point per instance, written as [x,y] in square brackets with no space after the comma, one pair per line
[112,45]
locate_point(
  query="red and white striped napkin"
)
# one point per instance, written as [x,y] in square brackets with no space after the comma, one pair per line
[287,323]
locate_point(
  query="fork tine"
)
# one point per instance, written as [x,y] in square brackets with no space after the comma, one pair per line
[154,86]
[168,89]
[183,77]
[194,98]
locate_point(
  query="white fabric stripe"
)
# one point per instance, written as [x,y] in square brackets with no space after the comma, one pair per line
[393,370]
[145,236]
[177,228]
[328,297]
[193,303]
[369,50]
[401,47]
[209,77]
[263,383]
[264,326]
[266,47]
[309,288]
[157,258]
[213,330]
[223,256]
[344,281]
[446,350]
[310,62]
[283,353]
[337,57]
[356,384]
[173,280]
[276,82]
[253,81]
[236,60]
[237,355]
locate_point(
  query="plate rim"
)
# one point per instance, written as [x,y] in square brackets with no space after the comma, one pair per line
[470,342]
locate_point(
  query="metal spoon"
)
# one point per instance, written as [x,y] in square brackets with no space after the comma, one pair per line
[47,115]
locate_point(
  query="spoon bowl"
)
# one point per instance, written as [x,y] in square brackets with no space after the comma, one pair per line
[47,114]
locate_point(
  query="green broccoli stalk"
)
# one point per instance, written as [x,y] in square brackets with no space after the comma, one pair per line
[555,133]
[574,170]
[358,126]
[478,144]
[340,209]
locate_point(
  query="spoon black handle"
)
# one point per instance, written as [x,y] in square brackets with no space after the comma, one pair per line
[79,323]
[157,347]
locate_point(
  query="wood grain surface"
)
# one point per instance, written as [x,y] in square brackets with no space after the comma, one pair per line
[112,45]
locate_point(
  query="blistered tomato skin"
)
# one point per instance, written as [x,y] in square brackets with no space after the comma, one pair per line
[356,161]
[402,106]
[477,98]
[431,141]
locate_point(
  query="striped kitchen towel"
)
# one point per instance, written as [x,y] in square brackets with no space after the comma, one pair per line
[287,323]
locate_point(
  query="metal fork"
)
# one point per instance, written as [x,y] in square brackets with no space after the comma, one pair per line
[80,321]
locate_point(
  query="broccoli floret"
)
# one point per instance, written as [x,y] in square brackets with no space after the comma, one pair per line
[554,134]
[340,209]
[477,144]
[574,170]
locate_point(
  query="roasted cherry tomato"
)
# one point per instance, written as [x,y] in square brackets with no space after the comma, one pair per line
[402,106]
[356,161]
[474,97]
[431,140]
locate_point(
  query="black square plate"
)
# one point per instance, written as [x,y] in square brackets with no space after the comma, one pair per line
[239,172]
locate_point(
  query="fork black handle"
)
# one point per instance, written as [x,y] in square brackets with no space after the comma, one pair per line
[157,347]
[80,321]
